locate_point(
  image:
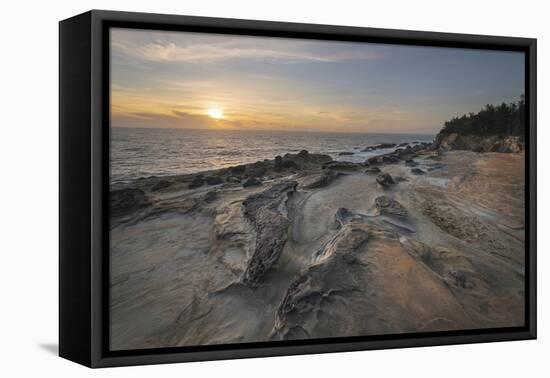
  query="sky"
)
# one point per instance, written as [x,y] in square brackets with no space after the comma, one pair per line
[212,81]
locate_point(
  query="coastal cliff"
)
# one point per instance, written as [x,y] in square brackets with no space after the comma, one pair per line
[479,143]
[493,129]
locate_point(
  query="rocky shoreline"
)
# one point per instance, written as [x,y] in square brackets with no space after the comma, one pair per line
[424,238]
[253,174]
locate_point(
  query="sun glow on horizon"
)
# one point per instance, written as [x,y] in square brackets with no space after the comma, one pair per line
[215,113]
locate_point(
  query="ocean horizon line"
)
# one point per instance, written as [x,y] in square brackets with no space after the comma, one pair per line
[274,130]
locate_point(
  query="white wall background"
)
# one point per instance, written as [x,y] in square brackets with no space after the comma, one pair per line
[29,187]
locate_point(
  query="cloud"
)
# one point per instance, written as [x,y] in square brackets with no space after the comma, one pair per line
[176,119]
[176,48]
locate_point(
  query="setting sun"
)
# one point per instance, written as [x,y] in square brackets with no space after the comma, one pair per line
[215,113]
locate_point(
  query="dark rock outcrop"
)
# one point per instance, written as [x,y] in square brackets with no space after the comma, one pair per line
[393,157]
[126,201]
[160,185]
[401,152]
[210,196]
[385,179]
[196,183]
[378,147]
[233,180]
[372,170]
[373,160]
[214,180]
[238,169]
[280,164]
[325,180]
[390,158]
[305,160]
[434,166]
[252,182]
[255,171]
[341,165]
[417,171]
[303,154]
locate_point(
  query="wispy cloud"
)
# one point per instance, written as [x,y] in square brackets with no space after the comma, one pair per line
[236,49]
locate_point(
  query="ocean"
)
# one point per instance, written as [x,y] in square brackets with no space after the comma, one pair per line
[138,152]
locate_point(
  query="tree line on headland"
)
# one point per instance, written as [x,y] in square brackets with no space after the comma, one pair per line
[504,119]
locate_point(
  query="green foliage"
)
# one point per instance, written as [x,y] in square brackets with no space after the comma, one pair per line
[505,119]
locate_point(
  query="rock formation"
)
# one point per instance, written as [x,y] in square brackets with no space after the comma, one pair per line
[266,212]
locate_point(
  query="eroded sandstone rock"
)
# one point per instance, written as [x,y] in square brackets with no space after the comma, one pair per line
[265,211]
[389,206]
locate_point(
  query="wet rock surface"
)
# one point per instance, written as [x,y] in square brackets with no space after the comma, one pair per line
[417,171]
[378,147]
[196,183]
[233,180]
[252,182]
[373,170]
[281,164]
[341,165]
[319,249]
[389,206]
[126,201]
[324,180]
[162,184]
[213,180]
[385,179]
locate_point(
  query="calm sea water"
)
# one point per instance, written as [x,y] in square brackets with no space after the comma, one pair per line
[158,152]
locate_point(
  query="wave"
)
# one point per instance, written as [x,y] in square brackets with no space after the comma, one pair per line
[154,152]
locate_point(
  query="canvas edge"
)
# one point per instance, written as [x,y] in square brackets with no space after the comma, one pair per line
[75,338]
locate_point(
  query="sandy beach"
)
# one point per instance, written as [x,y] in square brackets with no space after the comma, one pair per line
[301,246]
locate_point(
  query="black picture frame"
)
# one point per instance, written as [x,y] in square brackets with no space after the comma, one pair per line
[83,181]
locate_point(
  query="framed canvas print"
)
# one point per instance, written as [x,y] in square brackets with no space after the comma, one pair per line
[234,188]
